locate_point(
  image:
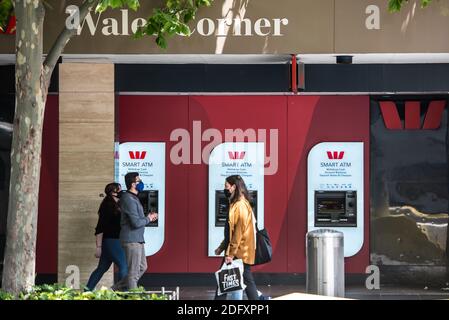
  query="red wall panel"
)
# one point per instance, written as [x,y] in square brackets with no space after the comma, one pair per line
[244,112]
[311,120]
[152,119]
[47,224]
[301,121]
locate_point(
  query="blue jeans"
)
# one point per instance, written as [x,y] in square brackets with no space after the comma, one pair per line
[111,252]
[235,295]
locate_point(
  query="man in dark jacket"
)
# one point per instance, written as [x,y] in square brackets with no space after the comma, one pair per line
[133,222]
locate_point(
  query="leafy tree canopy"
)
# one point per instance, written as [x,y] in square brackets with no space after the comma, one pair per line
[396,5]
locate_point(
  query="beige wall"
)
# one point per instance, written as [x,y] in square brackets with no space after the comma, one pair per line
[314,26]
[86,161]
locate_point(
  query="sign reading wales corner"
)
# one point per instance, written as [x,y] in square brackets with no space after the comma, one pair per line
[260,27]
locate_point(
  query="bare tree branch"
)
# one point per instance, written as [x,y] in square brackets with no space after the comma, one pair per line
[62,40]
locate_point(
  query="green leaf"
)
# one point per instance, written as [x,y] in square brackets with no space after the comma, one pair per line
[184,30]
[189,16]
[425,3]
[6,11]
[139,33]
[166,21]
[114,4]
[161,42]
[134,4]
[395,5]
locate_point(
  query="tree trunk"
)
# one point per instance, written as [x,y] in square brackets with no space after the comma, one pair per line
[31,93]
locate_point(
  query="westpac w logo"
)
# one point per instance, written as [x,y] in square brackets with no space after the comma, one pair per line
[335,155]
[137,155]
[235,155]
[412,115]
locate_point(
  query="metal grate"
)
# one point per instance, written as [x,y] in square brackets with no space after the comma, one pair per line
[171,294]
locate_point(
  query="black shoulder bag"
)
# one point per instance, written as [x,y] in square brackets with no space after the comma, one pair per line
[263,247]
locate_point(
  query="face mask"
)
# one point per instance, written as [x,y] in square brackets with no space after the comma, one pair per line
[140,186]
[119,194]
[227,193]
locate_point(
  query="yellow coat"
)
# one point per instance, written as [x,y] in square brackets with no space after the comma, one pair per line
[242,237]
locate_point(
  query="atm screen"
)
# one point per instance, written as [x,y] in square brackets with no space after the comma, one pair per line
[331,206]
[335,208]
[149,201]
[222,206]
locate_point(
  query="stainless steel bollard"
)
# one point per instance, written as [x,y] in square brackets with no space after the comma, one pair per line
[325,263]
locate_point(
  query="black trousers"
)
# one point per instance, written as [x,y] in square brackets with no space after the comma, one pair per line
[248,280]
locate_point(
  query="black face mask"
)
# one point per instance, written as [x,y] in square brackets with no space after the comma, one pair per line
[227,193]
[119,194]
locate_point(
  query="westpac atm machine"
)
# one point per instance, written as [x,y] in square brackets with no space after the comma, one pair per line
[230,158]
[222,206]
[335,196]
[148,159]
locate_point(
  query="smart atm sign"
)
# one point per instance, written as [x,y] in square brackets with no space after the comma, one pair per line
[335,167]
[336,162]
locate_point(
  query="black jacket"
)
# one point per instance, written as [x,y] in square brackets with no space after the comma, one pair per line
[108,219]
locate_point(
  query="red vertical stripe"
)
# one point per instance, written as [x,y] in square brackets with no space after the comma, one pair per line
[390,115]
[11,26]
[412,115]
[294,74]
[131,155]
[434,115]
[142,156]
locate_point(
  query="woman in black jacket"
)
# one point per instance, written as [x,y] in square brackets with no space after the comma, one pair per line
[107,233]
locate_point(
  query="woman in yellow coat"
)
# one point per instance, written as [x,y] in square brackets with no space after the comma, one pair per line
[242,232]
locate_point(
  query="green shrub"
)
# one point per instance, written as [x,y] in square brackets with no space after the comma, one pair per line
[5,295]
[60,292]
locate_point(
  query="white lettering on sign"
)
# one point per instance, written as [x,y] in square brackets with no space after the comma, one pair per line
[262,27]
[140,22]
[110,27]
[238,27]
[372,22]
[205,27]
[90,24]
[210,27]
[262,23]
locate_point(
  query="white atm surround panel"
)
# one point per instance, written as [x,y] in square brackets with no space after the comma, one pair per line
[147,158]
[333,168]
[230,158]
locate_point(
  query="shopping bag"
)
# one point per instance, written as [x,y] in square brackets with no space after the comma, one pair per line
[263,247]
[230,277]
